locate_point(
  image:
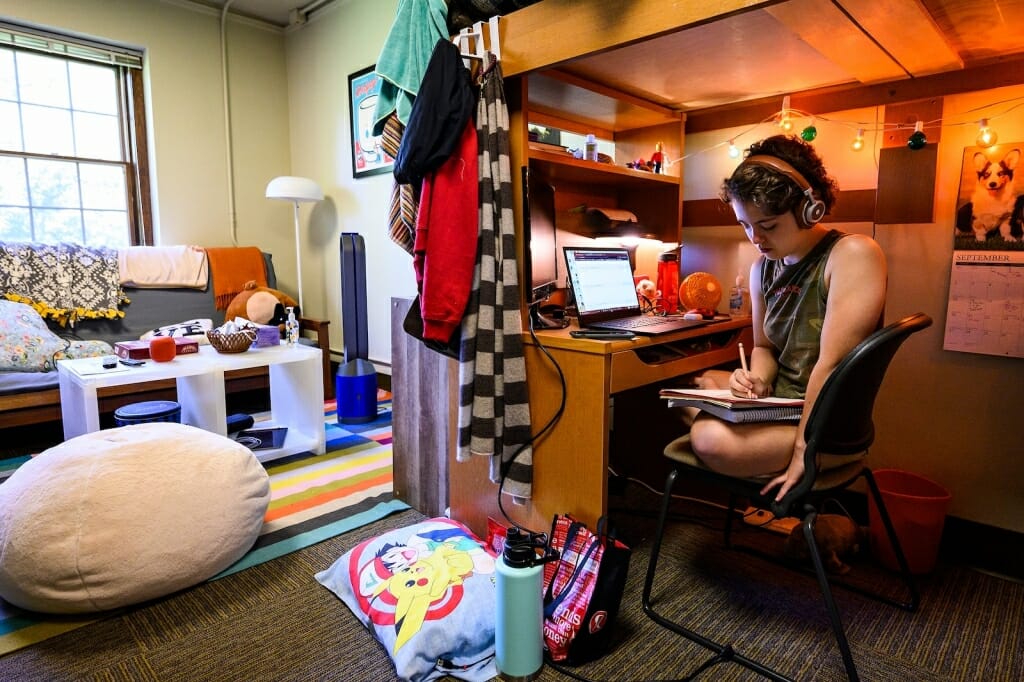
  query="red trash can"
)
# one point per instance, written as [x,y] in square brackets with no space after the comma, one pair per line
[917,507]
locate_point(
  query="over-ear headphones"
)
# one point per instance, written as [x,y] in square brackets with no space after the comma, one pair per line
[811,209]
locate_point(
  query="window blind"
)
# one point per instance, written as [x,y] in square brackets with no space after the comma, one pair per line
[39,40]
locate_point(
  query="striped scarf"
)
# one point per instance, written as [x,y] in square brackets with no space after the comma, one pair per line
[404,202]
[494,410]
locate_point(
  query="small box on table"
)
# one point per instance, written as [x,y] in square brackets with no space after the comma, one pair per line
[139,350]
[267,335]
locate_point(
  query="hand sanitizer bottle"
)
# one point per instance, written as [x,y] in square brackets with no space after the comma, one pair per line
[291,328]
[739,298]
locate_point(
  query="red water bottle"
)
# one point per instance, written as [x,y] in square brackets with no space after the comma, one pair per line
[668,280]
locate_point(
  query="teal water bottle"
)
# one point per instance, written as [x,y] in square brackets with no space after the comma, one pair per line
[518,632]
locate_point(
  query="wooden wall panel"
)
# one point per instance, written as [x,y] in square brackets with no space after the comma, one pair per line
[421,423]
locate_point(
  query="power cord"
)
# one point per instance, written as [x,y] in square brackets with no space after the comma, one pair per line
[537,437]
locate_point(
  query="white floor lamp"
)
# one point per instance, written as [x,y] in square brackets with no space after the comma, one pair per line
[295,190]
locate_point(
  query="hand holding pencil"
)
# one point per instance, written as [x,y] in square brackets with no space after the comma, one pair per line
[744,379]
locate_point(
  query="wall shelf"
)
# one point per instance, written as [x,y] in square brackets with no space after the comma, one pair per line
[557,168]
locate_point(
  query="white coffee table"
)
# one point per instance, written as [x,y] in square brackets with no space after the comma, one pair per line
[296,391]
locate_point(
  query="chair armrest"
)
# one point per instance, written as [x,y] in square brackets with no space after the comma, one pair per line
[321,330]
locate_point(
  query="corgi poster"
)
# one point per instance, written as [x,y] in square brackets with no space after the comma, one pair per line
[990,205]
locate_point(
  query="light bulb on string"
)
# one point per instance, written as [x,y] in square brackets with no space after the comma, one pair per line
[986,136]
[809,133]
[784,120]
[858,142]
[734,152]
[917,139]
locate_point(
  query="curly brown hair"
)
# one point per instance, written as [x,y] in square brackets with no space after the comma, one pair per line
[773,191]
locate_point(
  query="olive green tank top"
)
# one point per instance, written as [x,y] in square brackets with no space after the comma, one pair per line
[795,297]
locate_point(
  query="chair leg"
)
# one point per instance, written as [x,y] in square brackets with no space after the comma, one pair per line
[722,652]
[826,592]
[652,562]
[894,541]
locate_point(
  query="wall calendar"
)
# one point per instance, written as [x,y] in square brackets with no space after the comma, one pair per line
[986,303]
[985,313]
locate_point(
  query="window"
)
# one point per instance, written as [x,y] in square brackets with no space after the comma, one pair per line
[71,141]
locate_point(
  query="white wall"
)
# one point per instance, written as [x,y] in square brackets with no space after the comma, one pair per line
[951,417]
[342,39]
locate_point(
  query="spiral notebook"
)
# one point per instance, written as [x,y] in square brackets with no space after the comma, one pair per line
[724,405]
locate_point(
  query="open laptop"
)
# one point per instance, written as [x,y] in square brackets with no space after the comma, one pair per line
[601,280]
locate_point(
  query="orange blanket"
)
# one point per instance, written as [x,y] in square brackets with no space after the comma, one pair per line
[231,268]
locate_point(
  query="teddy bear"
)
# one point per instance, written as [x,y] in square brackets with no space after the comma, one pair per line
[261,305]
[837,536]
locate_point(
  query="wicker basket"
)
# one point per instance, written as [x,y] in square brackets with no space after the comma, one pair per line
[235,342]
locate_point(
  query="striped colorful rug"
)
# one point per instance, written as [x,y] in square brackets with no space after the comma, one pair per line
[312,498]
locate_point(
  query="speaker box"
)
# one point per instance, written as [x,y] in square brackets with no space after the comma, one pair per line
[356,380]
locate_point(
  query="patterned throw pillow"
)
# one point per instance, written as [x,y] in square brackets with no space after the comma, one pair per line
[84,349]
[427,593]
[193,329]
[26,344]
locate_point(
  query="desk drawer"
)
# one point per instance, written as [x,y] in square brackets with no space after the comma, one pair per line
[661,362]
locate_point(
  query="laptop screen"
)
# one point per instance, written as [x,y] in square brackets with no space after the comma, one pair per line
[602,283]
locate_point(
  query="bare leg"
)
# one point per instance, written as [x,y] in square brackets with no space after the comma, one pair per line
[742,449]
[712,378]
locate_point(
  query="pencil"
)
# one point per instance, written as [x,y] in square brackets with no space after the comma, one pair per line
[746,370]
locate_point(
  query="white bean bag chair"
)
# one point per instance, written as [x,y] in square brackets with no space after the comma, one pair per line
[120,516]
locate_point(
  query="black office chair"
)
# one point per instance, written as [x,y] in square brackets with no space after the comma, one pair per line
[840,425]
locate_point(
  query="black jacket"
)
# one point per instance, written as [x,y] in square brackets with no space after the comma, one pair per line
[445,102]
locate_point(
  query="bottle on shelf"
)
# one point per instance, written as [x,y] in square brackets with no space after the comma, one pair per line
[739,298]
[657,163]
[590,148]
[291,328]
[668,280]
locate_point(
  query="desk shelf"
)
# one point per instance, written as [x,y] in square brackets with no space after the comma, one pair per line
[560,168]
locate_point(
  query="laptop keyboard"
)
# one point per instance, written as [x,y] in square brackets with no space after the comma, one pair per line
[634,322]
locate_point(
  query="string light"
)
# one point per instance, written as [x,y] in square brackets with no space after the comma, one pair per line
[917,139]
[809,133]
[986,136]
[858,142]
[784,121]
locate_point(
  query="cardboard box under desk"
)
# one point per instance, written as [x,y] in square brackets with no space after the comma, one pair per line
[139,350]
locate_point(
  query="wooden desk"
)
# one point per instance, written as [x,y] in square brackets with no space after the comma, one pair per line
[570,472]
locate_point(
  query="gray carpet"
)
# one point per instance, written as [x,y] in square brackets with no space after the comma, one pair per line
[275,622]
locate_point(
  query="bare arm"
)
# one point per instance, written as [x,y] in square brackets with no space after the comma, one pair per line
[763,366]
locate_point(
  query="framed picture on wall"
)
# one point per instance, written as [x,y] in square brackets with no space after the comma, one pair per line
[990,207]
[368,155]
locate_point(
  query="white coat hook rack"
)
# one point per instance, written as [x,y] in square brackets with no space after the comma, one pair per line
[472,45]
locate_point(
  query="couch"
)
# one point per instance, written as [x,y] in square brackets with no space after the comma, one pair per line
[34,397]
